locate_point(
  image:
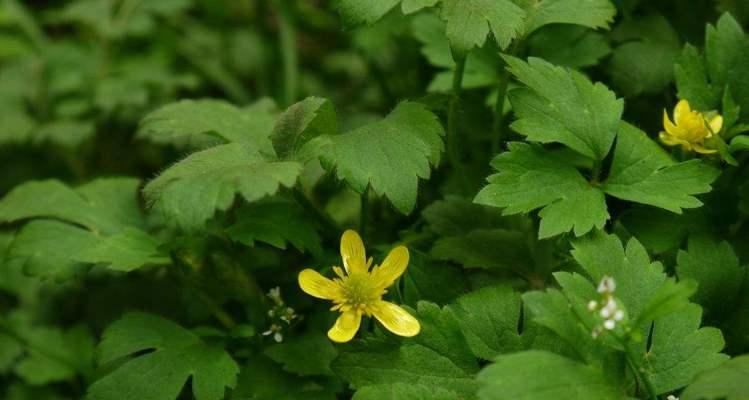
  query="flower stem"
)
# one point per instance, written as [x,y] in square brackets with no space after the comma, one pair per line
[289,59]
[327,223]
[631,357]
[453,152]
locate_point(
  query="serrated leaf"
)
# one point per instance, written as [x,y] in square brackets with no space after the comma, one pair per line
[692,81]
[529,177]
[715,266]
[540,375]
[389,155]
[176,355]
[125,251]
[563,106]
[441,332]
[644,173]
[307,119]
[470,21]
[591,13]
[489,320]
[672,363]
[431,281]
[402,391]
[727,382]
[189,192]
[191,122]
[310,354]
[485,248]
[276,223]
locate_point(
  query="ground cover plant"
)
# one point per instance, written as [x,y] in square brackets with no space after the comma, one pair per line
[381,199]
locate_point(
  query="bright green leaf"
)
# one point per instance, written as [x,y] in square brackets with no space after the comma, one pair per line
[125,251]
[160,374]
[470,21]
[561,105]
[728,382]
[189,192]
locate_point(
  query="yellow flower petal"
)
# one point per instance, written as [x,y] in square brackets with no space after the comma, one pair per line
[345,327]
[669,126]
[681,111]
[392,268]
[702,149]
[716,124]
[672,140]
[352,252]
[318,286]
[396,319]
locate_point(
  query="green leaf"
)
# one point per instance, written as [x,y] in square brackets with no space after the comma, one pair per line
[177,355]
[10,350]
[125,251]
[644,60]
[48,249]
[590,13]
[307,119]
[262,379]
[680,349]
[375,362]
[356,12]
[728,382]
[485,248]
[104,205]
[470,21]
[389,155]
[50,354]
[190,122]
[644,173]
[441,332]
[426,280]
[489,319]
[715,267]
[569,45]
[310,354]
[529,177]
[561,105]
[540,375]
[189,192]
[276,223]
[402,391]
[692,81]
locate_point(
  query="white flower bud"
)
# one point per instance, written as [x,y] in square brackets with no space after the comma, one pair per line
[609,324]
[592,305]
[619,315]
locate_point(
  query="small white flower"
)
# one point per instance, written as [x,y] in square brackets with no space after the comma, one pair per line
[592,305]
[605,312]
[607,285]
[609,324]
[619,315]
[672,397]
[278,337]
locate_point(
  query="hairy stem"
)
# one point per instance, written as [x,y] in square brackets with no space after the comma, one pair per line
[498,125]
[453,151]
[289,59]
[364,214]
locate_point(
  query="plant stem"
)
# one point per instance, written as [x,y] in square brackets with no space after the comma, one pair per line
[364,214]
[453,152]
[287,33]
[498,126]
[631,357]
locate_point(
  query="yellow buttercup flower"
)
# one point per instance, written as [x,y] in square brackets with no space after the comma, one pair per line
[690,128]
[358,291]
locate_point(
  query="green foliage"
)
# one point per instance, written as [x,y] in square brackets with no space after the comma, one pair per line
[177,355]
[172,172]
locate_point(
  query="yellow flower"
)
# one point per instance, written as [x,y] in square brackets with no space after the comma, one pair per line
[359,290]
[690,128]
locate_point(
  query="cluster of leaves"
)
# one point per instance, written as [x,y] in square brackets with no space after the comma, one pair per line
[168,167]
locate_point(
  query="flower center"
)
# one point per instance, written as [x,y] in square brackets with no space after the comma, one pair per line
[694,125]
[360,291]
